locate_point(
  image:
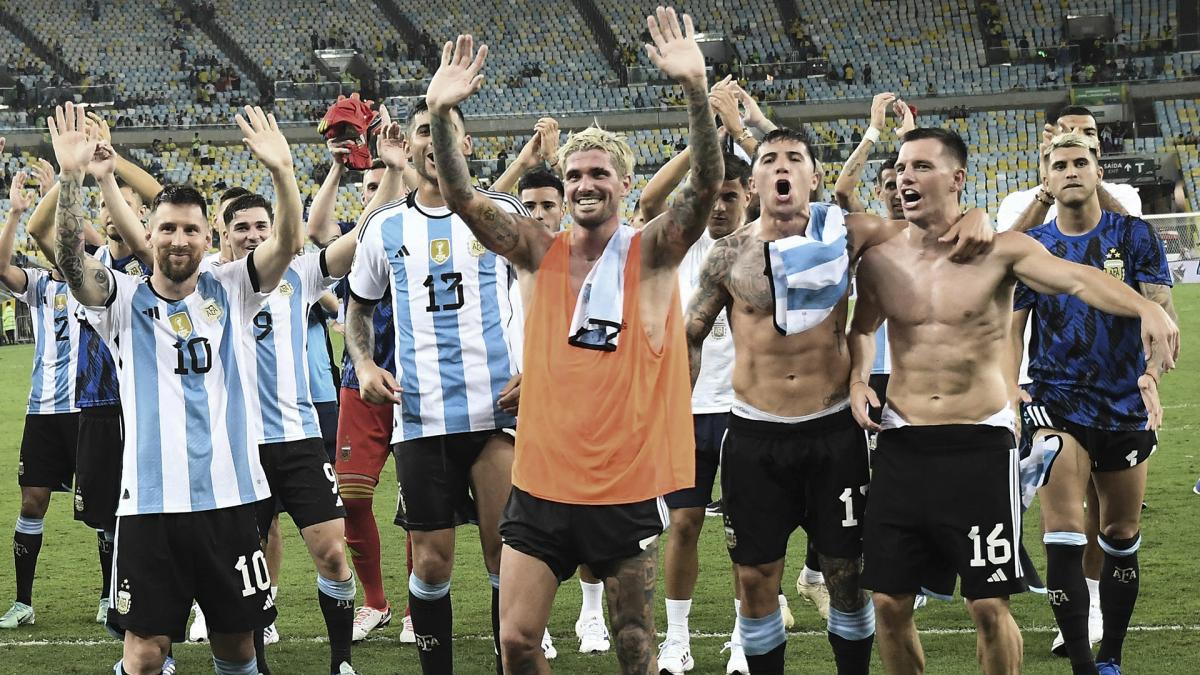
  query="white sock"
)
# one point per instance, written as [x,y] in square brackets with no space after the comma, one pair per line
[593,595]
[812,576]
[736,637]
[1093,590]
[274,592]
[677,619]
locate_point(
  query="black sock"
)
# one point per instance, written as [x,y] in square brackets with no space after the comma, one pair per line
[25,553]
[1069,599]
[260,653]
[104,547]
[339,623]
[770,663]
[496,629]
[811,561]
[432,621]
[852,656]
[1120,580]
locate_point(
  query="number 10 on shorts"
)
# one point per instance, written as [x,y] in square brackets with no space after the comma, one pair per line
[257,566]
[999,549]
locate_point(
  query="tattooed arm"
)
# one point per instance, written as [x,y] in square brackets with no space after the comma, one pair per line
[1162,295]
[711,296]
[845,190]
[375,384]
[91,284]
[520,239]
[675,52]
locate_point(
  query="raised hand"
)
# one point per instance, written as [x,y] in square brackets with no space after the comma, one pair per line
[18,198]
[724,104]
[392,146]
[547,128]
[103,132]
[44,172]
[73,146]
[459,76]
[261,134]
[754,115]
[339,151]
[879,106]
[104,161]
[904,113]
[675,51]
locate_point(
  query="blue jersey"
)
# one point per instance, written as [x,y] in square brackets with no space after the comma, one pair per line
[190,409]
[56,343]
[452,302]
[321,382]
[1084,364]
[385,332]
[96,380]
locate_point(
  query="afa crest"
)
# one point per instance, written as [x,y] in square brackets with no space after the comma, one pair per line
[475,248]
[212,311]
[60,301]
[1114,264]
[124,598]
[286,289]
[439,250]
[134,268]
[181,323]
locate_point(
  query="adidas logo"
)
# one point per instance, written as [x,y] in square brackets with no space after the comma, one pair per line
[402,252]
[997,576]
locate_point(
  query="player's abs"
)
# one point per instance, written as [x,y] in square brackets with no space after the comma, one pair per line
[946,379]
[789,375]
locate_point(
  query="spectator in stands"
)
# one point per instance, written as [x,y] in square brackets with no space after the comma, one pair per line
[848,72]
[867,74]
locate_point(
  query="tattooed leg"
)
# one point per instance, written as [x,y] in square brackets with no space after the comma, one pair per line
[630,594]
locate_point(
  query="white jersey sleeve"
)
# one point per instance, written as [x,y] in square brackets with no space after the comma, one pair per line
[241,282]
[110,318]
[369,273]
[1011,208]
[1127,196]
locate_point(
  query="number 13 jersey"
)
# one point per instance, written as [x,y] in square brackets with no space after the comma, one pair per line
[456,312]
[190,412]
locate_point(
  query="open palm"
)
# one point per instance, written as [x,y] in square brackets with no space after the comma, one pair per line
[458,78]
[675,50]
[73,146]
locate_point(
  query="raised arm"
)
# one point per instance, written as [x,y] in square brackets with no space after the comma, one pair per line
[90,282]
[754,114]
[723,99]
[845,190]
[146,186]
[653,201]
[262,135]
[668,237]
[133,232]
[19,203]
[322,229]
[710,297]
[541,147]
[520,239]
[1045,273]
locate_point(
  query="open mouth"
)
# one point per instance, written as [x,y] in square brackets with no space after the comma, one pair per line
[587,201]
[783,190]
[909,198]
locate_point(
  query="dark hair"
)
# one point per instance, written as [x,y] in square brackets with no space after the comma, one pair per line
[232,193]
[419,106]
[540,178]
[180,195]
[799,135]
[377,164]
[247,201]
[888,164]
[737,169]
[950,141]
[1073,110]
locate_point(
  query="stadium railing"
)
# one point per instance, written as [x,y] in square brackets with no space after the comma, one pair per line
[1178,232]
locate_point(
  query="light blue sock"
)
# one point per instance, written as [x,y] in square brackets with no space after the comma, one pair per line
[426,591]
[494,580]
[29,525]
[338,590]
[760,636]
[856,625]
[223,667]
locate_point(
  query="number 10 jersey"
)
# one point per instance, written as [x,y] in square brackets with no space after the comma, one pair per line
[190,413]
[456,312]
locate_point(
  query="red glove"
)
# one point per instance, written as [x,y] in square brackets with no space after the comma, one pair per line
[350,119]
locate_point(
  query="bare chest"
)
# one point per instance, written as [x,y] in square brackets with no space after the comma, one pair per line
[915,290]
[748,281]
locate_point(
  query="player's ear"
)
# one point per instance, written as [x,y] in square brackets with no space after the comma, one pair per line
[960,179]
[1099,168]
[468,146]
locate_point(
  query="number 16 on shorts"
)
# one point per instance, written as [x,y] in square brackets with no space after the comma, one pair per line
[995,546]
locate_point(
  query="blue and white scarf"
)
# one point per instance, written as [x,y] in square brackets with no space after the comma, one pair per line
[597,320]
[810,272]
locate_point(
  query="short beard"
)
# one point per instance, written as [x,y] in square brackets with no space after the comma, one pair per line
[180,274]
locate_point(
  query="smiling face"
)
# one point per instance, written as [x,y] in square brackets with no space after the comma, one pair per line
[594,189]
[929,179]
[783,176]
[420,144]
[1073,175]
[179,235]
[249,228]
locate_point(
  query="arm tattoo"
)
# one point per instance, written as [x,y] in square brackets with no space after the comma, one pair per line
[360,331]
[454,178]
[841,578]
[707,302]
[1161,295]
[68,252]
[690,209]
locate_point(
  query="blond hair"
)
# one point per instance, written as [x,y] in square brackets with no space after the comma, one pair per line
[595,138]
[1074,140]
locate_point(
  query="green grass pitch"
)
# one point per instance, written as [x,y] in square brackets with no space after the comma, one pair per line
[1166,637]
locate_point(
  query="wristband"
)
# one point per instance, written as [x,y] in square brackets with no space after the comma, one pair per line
[872,134]
[1048,198]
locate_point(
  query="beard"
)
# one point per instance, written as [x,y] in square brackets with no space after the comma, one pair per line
[177,272]
[595,219]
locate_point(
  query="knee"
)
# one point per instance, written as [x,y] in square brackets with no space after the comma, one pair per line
[892,613]
[685,529]
[1120,531]
[991,616]
[432,563]
[517,646]
[34,505]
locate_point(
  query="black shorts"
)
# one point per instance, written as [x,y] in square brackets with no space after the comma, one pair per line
[944,504]
[710,433]
[878,383]
[162,561]
[98,466]
[302,481]
[327,417]
[434,476]
[565,536]
[48,451]
[1108,450]
[777,477]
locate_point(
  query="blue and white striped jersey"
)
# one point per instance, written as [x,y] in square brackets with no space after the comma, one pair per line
[190,413]
[56,343]
[456,339]
[276,344]
[96,382]
[883,353]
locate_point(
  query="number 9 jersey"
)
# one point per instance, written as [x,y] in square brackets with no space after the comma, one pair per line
[456,312]
[190,412]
